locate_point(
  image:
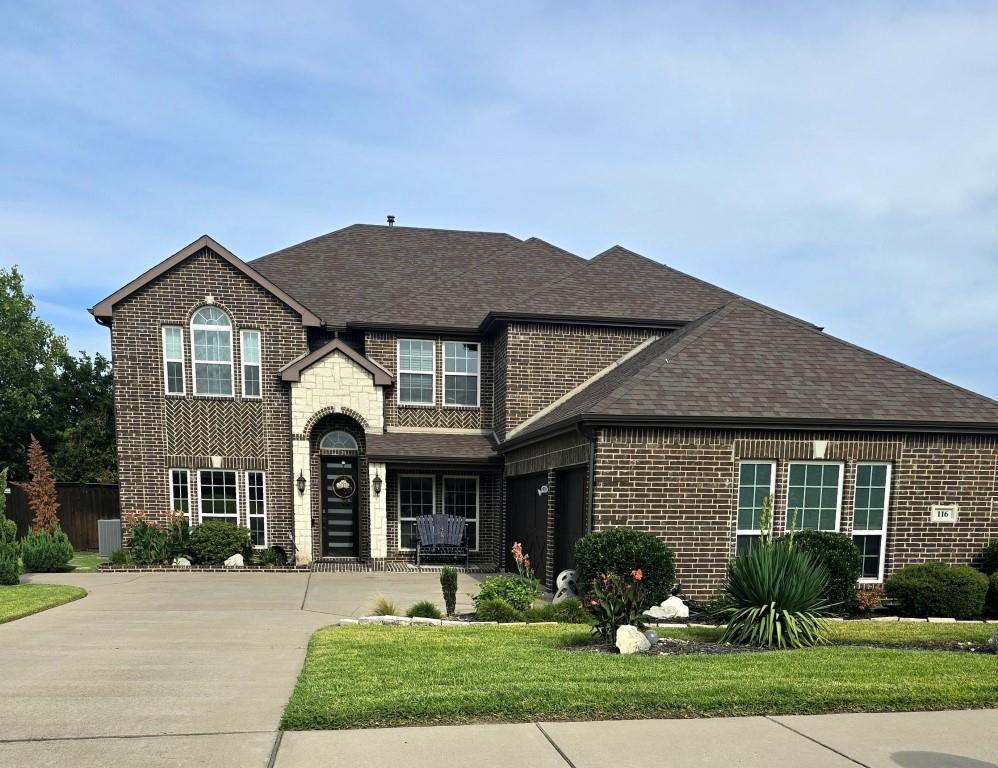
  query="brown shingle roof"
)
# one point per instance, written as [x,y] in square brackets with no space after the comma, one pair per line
[747,363]
[348,274]
[417,447]
[619,283]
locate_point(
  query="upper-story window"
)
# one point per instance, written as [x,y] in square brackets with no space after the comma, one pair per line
[211,337]
[461,373]
[250,346]
[417,377]
[173,359]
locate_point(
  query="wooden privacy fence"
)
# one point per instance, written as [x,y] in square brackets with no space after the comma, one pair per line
[81,505]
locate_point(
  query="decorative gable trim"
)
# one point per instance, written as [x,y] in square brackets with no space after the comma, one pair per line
[102,311]
[292,371]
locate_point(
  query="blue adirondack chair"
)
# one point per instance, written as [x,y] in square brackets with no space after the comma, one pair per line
[441,537]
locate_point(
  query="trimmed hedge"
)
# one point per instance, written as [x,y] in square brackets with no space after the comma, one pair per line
[10,565]
[43,552]
[992,599]
[937,589]
[497,609]
[214,542]
[622,550]
[841,559]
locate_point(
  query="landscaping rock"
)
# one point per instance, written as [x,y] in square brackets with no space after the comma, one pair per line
[181,562]
[425,620]
[910,618]
[347,622]
[883,618]
[671,608]
[236,561]
[630,640]
[941,620]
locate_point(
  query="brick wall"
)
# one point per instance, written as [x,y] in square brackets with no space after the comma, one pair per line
[682,486]
[156,432]
[545,361]
[382,348]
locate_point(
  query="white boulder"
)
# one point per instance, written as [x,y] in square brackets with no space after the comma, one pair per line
[181,562]
[672,608]
[631,640]
[236,561]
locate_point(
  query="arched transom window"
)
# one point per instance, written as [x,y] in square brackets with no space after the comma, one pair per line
[338,440]
[211,336]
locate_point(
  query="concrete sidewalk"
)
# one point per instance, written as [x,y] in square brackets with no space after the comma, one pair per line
[898,740]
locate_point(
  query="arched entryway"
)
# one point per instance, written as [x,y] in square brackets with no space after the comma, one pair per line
[340,511]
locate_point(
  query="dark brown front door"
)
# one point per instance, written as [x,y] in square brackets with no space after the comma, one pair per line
[527,502]
[569,515]
[339,507]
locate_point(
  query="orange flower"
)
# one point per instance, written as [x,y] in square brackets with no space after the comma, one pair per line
[637,575]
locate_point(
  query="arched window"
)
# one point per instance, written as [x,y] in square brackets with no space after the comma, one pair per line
[338,440]
[211,336]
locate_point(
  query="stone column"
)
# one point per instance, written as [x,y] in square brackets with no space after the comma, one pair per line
[379,511]
[302,501]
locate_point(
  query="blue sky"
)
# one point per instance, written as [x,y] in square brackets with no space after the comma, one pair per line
[840,164]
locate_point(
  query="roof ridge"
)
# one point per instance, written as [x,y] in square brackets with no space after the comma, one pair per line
[436,229]
[688,334]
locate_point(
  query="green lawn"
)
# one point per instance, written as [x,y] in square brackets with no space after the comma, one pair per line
[85,562]
[371,676]
[25,599]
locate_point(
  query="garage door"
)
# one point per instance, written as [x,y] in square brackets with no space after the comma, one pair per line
[527,513]
[569,515]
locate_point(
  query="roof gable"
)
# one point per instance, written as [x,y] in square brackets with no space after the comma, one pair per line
[293,370]
[745,363]
[103,310]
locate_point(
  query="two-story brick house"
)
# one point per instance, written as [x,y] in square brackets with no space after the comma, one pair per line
[327,395]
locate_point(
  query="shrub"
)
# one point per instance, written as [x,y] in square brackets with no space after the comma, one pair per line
[42,498]
[8,528]
[10,564]
[271,557]
[841,559]
[120,557]
[424,610]
[384,606]
[178,535]
[570,611]
[42,552]
[614,601]
[937,589]
[992,599]
[497,609]
[775,594]
[622,550]
[868,600]
[448,583]
[989,558]
[214,542]
[148,543]
[514,590]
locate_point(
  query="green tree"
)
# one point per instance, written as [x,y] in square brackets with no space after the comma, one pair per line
[82,399]
[29,354]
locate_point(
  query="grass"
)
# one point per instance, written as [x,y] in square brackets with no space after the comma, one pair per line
[25,599]
[85,562]
[454,675]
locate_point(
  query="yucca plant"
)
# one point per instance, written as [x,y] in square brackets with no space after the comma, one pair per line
[774,594]
[774,597]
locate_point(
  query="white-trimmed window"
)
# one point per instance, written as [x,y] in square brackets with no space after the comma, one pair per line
[814,495]
[461,373]
[173,359]
[256,507]
[211,347]
[869,517]
[417,371]
[218,495]
[756,481]
[180,491]
[249,343]
[340,441]
[416,498]
[461,498]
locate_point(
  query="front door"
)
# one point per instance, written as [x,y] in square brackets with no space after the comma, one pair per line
[339,507]
[527,504]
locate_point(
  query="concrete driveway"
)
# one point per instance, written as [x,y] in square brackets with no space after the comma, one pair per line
[172,669]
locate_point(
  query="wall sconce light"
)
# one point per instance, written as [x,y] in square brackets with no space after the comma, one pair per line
[300,482]
[377,483]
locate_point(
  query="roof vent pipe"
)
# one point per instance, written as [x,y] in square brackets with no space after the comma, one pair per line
[391,220]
